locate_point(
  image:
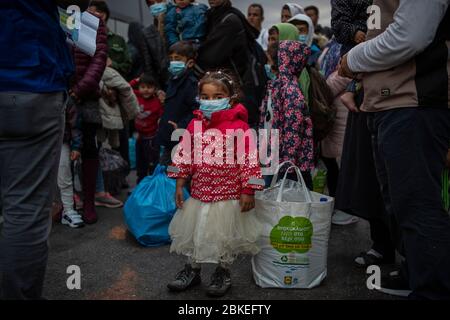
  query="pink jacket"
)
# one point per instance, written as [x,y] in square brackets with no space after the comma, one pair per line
[332,145]
[213,181]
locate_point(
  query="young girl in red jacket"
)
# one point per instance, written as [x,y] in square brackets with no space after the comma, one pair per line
[218,222]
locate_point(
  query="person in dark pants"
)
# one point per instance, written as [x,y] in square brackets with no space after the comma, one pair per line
[33,83]
[118,59]
[85,93]
[358,191]
[406,83]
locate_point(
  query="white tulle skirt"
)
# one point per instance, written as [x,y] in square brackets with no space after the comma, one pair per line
[214,232]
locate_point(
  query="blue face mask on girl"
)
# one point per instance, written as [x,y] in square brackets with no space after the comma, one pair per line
[158,8]
[269,72]
[303,38]
[208,107]
[177,68]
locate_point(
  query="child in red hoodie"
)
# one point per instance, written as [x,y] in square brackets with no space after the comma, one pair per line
[218,222]
[146,124]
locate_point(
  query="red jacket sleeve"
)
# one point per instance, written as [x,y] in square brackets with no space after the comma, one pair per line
[97,65]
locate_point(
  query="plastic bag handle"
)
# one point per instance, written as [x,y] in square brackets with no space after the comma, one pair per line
[300,178]
[159,169]
[275,177]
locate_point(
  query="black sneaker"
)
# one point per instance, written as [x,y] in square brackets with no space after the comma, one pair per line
[185,279]
[220,283]
[395,285]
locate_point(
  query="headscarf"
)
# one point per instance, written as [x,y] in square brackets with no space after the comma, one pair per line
[294,8]
[287,31]
[305,18]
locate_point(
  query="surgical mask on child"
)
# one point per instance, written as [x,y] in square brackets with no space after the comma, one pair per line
[158,8]
[176,68]
[208,107]
[269,72]
[303,38]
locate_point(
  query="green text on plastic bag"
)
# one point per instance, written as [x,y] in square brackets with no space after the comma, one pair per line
[292,235]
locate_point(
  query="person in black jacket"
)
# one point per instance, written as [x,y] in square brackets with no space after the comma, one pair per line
[349,22]
[136,41]
[181,97]
[228,34]
[154,52]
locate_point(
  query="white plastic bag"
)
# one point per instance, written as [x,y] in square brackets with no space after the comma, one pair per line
[294,245]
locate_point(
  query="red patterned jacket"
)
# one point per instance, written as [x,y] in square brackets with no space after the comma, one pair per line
[218,175]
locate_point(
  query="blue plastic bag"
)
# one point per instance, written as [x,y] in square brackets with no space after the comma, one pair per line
[151,207]
[132,153]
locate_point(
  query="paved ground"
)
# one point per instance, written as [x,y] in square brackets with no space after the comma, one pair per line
[114,266]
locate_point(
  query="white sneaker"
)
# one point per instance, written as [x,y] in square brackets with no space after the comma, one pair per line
[72,219]
[341,218]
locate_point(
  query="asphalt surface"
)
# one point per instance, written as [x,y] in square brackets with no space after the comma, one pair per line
[114,266]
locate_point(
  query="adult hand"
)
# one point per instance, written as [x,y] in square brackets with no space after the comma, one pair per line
[344,69]
[74,96]
[75,155]
[247,202]
[83,4]
[360,37]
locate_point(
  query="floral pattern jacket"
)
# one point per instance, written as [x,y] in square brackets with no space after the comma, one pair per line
[290,112]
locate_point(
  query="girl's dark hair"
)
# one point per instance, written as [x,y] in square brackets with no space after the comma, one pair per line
[273,30]
[183,48]
[148,80]
[226,80]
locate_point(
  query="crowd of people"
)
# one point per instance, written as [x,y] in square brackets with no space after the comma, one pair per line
[371,104]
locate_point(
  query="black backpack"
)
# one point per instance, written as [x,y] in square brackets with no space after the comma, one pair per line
[323,112]
[254,80]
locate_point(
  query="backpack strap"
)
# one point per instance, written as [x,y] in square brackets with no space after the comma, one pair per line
[226,17]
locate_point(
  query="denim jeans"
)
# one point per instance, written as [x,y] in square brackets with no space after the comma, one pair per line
[410,148]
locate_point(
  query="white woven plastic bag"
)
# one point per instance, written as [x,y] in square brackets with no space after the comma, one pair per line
[294,245]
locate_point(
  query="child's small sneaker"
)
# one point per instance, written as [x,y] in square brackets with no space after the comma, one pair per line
[185,279]
[72,219]
[220,283]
